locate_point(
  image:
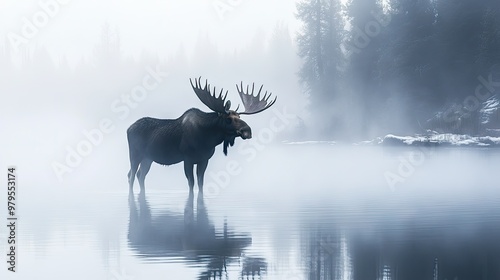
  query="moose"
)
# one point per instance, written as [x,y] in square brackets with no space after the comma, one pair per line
[193,136]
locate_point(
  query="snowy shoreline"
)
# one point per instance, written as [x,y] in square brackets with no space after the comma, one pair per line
[432,140]
[445,140]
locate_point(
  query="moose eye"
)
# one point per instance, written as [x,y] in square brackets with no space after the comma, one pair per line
[228,121]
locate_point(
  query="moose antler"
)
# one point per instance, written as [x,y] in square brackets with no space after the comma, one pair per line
[215,104]
[253,104]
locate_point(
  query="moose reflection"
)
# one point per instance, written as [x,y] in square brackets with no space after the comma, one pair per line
[192,137]
[190,236]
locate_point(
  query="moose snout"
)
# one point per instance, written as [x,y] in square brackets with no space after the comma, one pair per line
[245,133]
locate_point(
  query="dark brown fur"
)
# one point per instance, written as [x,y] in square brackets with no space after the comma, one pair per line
[191,138]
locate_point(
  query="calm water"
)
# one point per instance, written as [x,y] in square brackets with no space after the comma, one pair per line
[289,212]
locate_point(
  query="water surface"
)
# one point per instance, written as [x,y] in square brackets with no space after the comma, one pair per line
[289,212]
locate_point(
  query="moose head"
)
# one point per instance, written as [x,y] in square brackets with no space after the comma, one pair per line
[229,119]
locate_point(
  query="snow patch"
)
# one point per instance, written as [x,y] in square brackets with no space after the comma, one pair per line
[444,139]
[490,108]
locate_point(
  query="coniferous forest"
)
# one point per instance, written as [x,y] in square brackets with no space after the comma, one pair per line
[404,66]
[355,69]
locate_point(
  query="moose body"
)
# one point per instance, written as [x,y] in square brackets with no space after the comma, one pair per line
[191,138]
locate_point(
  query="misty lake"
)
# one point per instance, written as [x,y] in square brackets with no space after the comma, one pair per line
[293,211]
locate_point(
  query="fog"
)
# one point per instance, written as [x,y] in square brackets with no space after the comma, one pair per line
[378,160]
[89,63]
[273,214]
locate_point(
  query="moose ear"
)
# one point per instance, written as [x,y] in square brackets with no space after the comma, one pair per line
[227,106]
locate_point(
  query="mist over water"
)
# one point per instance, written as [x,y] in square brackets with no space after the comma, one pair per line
[281,216]
[318,192]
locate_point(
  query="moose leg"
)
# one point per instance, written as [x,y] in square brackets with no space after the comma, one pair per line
[131,174]
[200,173]
[143,171]
[135,158]
[188,170]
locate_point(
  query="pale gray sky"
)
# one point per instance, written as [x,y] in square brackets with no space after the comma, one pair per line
[73,26]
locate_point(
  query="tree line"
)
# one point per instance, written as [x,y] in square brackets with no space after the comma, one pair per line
[374,66]
[39,82]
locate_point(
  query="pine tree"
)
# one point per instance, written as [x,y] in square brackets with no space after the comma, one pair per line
[319,45]
[366,21]
[489,40]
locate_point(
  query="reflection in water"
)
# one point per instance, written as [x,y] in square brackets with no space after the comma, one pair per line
[333,221]
[451,251]
[326,255]
[190,238]
[253,266]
